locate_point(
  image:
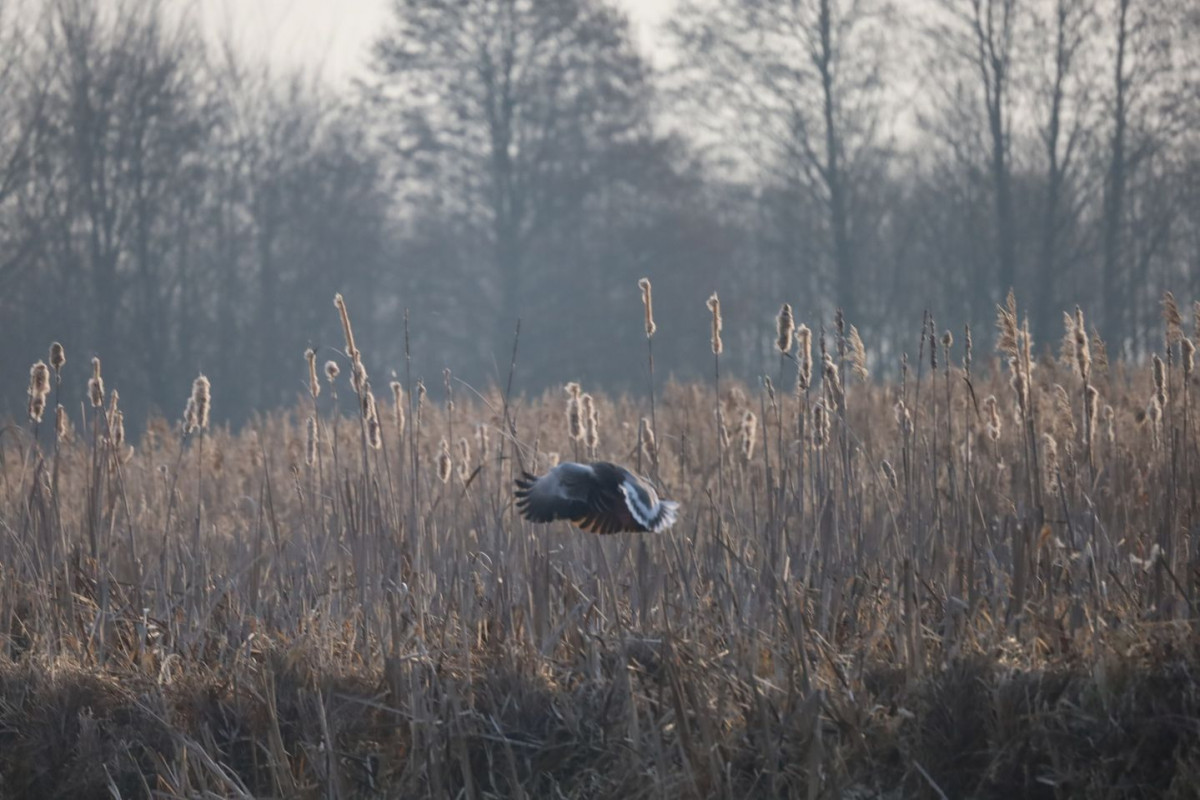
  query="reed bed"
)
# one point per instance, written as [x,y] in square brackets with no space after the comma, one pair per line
[978,579]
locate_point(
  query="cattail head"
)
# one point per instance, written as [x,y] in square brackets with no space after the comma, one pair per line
[398,407]
[648,306]
[839,325]
[591,422]
[96,384]
[58,357]
[749,434]
[464,459]
[820,432]
[374,432]
[331,371]
[314,385]
[1160,382]
[575,415]
[714,305]
[445,463]
[804,354]
[1090,408]
[310,452]
[61,423]
[1187,352]
[39,388]
[201,398]
[340,303]
[189,415]
[832,379]
[858,355]
[933,344]
[116,426]
[649,444]
[785,328]
[903,418]
[994,427]
[1172,318]
[420,401]
[358,377]
[1110,424]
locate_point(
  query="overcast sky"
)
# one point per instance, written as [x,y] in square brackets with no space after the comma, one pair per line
[337,33]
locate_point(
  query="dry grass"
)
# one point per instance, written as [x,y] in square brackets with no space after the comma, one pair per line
[899,595]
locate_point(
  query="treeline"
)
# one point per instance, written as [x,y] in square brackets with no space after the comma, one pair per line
[175,207]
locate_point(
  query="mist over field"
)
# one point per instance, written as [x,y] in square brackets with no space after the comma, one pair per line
[897,301]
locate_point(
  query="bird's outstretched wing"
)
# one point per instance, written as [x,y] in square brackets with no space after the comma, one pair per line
[569,491]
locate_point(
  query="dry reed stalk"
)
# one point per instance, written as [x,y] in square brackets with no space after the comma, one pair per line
[648,310]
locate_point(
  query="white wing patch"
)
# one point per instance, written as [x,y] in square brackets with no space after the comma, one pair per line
[657,516]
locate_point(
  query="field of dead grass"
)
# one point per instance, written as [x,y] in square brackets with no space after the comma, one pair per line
[974,580]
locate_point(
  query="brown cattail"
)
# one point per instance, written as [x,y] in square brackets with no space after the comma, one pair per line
[367,404]
[858,355]
[374,432]
[445,463]
[648,306]
[1020,383]
[785,328]
[1187,352]
[575,415]
[464,459]
[591,422]
[649,444]
[714,305]
[398,407]
[314,385]
[1154,414]
[61,423]
[58,357]
[820,426]
[933,362]
[833,379]
[1110,424]
[347,331]
[116,426]
[331,371]
[1090,407]
[420,402]
[189,415]
[804,353]
[994,427]
[749,434]
[201,398]
[310,456]
[839,325]
[96,384]
[903,418]
[39,388]
[358,377]
[1160,382]
[1172,318]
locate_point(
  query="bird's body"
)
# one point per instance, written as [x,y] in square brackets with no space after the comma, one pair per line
[598,497]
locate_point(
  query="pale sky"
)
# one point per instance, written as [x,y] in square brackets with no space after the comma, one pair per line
[337,33]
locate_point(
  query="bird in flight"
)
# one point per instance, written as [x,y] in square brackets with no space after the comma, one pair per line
[598,497]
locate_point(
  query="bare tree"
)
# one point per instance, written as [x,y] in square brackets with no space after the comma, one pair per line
[502,110]
[797,86]
[980,35]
